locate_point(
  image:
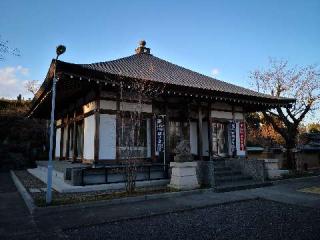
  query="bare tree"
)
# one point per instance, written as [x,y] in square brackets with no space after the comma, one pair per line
[131,129]
[313,127]
[6,49]
[32,86]
[300,83]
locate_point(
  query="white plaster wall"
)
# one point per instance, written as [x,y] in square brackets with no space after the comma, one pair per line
[128,106]
[221,114]
[205,139]
[193,138]
[238,116]
[65,138]
[108,104]
[88,135]
[58,138]
[107,134]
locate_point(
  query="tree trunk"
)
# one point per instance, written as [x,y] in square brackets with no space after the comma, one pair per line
[290,160]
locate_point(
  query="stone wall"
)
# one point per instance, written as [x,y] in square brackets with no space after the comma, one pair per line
[205,173]
[253,168]
[309,160]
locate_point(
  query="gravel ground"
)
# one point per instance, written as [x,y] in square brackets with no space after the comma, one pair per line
[30,181]
[254,219]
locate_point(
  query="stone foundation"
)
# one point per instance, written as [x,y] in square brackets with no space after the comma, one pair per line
[184,175]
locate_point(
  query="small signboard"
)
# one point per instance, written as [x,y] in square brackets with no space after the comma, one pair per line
[233,137]
[160,134]
[242,135]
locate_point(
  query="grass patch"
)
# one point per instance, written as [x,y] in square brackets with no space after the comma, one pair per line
[74,198]
[315,190]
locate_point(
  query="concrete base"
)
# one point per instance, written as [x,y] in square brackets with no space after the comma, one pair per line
[272,168]
[184,175]
[60,185]
[276,173]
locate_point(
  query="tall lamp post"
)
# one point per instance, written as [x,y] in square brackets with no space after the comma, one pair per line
[60,50]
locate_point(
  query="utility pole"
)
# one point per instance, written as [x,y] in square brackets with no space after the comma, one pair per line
[60,50]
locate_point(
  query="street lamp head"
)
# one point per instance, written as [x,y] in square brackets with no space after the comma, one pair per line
[60,50]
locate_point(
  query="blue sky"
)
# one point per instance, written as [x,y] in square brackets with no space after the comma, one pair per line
[224,39]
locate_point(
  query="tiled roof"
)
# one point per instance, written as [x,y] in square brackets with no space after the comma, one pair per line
[145,66]
[148,67]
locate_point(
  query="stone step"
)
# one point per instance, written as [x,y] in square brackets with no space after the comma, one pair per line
[241,185]
[219,169]
[227,173]
[232,178]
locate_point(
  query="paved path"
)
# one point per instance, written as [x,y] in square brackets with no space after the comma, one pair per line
[17,223]
[287,192]
[15,219]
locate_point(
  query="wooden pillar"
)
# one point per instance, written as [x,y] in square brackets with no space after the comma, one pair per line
[82,133]
[68,138]
[209,131]
[97,131]
[153,139]
[74,137]
[200,144]
[61,139]
[118,128]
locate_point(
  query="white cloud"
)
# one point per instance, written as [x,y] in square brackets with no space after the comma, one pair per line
[12,81]
[215,71]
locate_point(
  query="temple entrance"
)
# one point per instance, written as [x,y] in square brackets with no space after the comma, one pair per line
[220,140]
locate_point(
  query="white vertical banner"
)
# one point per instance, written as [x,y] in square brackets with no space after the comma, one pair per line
[240,138]
[233,138]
